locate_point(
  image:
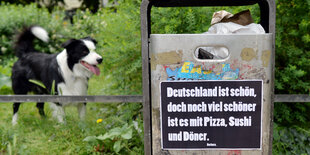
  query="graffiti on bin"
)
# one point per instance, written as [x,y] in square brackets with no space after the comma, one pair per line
[189,71]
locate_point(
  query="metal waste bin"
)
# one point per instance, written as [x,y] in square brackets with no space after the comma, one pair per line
[194,106]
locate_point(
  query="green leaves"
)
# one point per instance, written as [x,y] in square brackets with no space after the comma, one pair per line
[292,47]
[39,83]
[118,36]
[15,17]
[5,80]
[127,134]
[121,129]
[90,139]
[292,76]
[117,146]
[293,140]
[118,137]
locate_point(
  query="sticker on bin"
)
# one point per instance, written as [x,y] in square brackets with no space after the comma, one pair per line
[189,71]
[224,114]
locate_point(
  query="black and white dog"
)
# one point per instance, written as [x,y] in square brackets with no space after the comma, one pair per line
[68,70]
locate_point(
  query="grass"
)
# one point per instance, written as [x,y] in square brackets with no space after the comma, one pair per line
[36,135]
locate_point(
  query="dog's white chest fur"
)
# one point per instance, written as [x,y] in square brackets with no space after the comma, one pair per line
[77,87]
[75,82]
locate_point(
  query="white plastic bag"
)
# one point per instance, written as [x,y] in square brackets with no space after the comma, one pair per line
[227,28]
[231,28]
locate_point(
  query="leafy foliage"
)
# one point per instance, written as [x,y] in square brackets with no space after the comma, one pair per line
[15,17]
[292,44]
[190,19]
[293,140]
[119,35]
[122,132]
[117,136]
[291,132]
[121,122]
[5,79]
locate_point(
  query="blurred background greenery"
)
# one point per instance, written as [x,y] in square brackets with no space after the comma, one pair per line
[115,24]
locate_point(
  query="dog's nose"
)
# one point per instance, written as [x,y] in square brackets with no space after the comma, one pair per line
[99,60]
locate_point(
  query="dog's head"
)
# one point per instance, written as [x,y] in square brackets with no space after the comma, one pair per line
[81,56]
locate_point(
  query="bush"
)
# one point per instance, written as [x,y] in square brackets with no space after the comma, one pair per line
[121,133]
[119,35]
[291,140]
[190,19]
[292,60]
[120,42]
[15,17]
[291,134]
[5,79]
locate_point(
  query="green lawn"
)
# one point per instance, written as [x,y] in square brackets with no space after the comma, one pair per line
[36,135]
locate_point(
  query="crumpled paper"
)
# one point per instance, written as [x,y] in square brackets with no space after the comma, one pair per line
[224,22]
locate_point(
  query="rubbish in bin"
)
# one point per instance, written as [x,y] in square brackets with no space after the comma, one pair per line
[219,16]
[224,22]
[204,54]
[233,28]
[212,52]
[241,18]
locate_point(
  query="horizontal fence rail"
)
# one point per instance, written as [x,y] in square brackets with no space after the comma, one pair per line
[71,99]
[292,98]
[120,98]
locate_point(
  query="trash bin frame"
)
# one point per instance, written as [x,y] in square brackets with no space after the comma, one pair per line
[267,20]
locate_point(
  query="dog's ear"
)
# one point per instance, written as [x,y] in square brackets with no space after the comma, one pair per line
[91,39]
[68,43]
